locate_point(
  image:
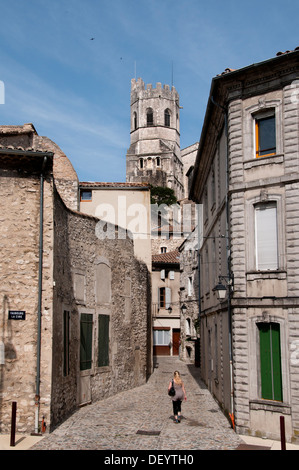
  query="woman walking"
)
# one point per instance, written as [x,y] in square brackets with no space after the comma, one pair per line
[180,395]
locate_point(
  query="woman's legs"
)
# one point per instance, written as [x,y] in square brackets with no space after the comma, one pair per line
[177,410]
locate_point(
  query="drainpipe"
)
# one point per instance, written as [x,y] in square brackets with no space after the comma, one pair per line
[39,308]
[230,275]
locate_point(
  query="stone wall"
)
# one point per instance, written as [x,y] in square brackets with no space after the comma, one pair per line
[19,263]
[121,290]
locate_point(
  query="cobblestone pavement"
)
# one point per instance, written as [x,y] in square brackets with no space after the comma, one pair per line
[142,419]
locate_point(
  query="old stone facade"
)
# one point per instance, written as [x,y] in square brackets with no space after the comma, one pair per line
[166,303]
[189,299]
[75,316]
[246,176]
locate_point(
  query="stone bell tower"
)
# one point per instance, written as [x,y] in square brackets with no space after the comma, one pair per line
[154,155]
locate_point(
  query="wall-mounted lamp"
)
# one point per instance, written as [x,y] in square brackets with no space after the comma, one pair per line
[169,309]
[183,309]
[221,289]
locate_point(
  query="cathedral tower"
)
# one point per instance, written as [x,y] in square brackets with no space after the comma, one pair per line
[154,155]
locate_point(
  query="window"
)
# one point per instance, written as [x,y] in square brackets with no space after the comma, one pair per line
[158,161]
[270,361]
[265,136]
[163,249]
[103,340]
[190,286]
[149,117]
[164,297]
[85,195]
[266,240]
[66,343]
[86,322]
[167,118]
[188,327]
[135,121]
[161,337]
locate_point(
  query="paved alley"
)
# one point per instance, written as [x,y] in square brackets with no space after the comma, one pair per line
[142,419]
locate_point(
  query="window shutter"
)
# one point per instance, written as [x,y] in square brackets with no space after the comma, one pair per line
[103,340]
[86,341]
[171,275]
[162,273]
[266,237]
[168,297]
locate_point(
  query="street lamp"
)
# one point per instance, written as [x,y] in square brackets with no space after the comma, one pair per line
[183,309]
[221,290]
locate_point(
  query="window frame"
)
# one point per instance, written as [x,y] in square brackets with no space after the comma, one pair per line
[258,107]
[250,204]
[258,237]
[258,119]
[166,334]
[85,191]
[270,361]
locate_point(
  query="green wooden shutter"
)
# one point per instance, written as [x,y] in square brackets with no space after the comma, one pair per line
[85,341]
[103,340]
[271,379]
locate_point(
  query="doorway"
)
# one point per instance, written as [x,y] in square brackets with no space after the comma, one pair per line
[176,334]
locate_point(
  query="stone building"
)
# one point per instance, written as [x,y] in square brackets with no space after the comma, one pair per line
[154,155]
[166,303]
[246,176]
[189,297]
[75,315]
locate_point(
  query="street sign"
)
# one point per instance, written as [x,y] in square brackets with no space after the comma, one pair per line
[16,314]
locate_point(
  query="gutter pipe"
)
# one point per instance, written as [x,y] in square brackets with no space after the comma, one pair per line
[39,308]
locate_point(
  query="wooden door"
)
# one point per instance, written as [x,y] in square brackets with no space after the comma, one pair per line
[175,341]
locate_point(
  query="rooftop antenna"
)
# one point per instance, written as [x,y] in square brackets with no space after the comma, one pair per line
[171,73]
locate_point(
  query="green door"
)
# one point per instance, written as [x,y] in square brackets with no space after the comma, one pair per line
[271,379]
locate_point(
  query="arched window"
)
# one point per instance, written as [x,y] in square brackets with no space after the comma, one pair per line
[158,161]
[149,117]
[167,118]
[141,163]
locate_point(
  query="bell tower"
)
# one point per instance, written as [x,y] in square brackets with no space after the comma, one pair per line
[154,155]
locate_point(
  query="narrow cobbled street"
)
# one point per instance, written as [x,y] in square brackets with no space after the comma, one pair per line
[142,419]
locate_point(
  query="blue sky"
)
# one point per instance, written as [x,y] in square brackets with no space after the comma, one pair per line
[76,91]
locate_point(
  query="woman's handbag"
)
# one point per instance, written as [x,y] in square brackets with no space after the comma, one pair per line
[171,391]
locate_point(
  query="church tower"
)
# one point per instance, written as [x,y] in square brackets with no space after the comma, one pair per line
[154,155]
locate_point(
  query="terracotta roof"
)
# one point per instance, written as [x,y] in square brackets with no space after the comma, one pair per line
[94,184]
[12,149]
[172,257]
